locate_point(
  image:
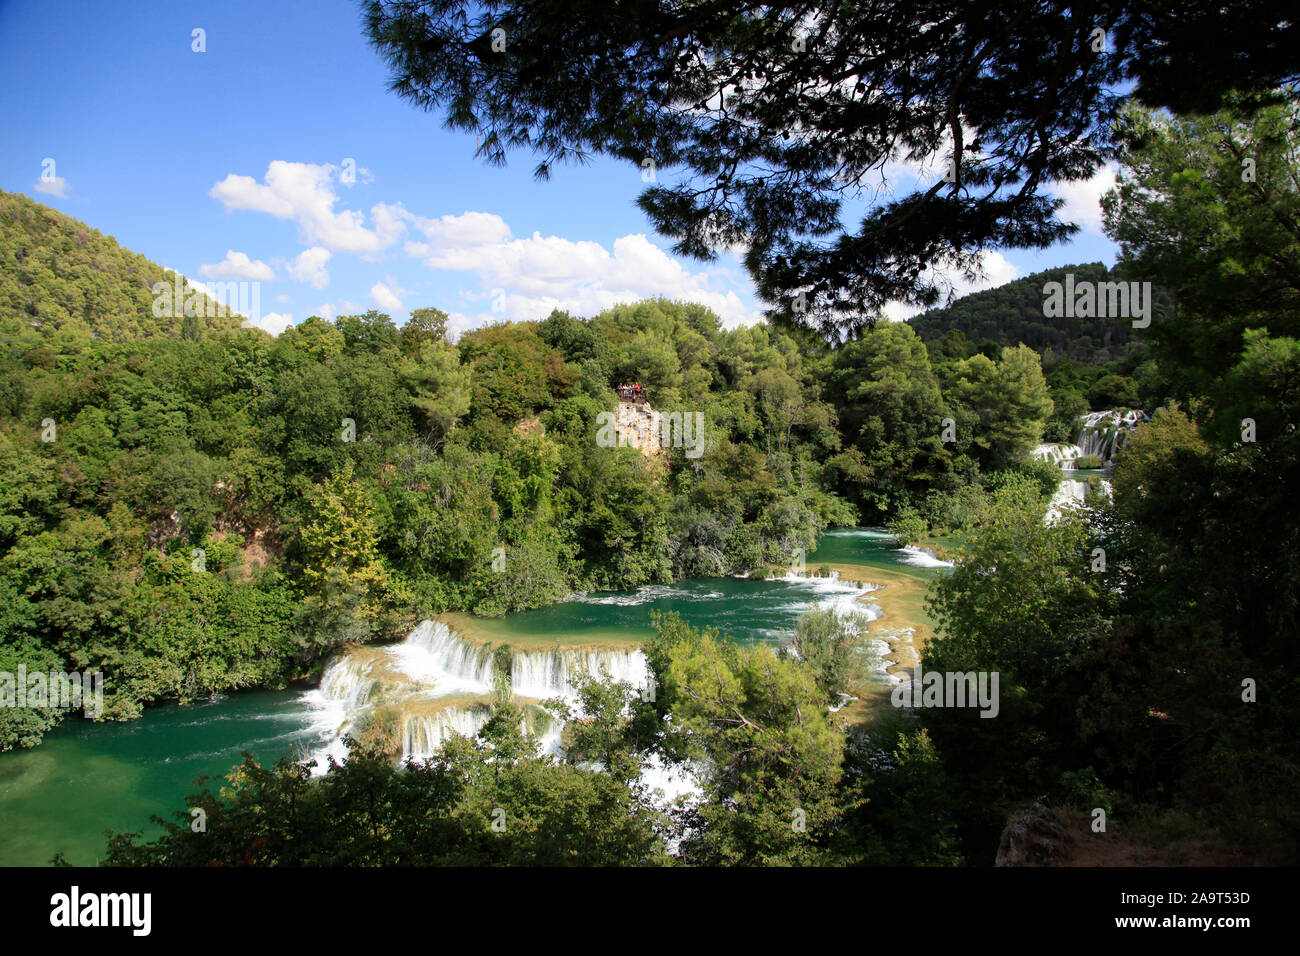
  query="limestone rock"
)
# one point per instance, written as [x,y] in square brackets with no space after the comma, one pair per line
[1033,837]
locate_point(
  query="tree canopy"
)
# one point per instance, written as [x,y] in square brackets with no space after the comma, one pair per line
[781,129]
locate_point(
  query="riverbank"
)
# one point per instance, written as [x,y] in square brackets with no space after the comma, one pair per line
[904,626]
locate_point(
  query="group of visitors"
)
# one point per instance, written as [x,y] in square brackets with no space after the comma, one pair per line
[632,393]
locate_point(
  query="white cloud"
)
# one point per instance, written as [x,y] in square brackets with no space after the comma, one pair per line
[996,271]
[57,186]
[273,322]
[305,193]
[527,278]
[283,298]
[385,297]
[1083,199]
[237,265]
[310,267]
[467,229]
[326,311]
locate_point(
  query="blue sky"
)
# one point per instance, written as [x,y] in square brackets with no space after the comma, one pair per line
[278,155]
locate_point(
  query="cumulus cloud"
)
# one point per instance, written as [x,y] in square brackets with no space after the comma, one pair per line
[1083,199]
[385,297]
[305,193]
[273,322]
[310,267]
[467,229]
[995,269]
[237,265]
[525,278]
[55,186]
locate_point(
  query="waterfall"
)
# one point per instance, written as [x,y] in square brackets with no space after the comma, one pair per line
[438,684]
[457,661]
[1062,455]
[1104,433]
[1070,493]
[347,681]
[555,673]
[423,734]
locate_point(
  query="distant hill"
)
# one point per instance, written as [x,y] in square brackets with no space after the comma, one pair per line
[1013,313]
[62,280]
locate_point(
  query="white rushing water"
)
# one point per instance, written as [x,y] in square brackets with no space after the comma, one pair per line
[423,735]
[831,592]
[1100,433]
[921,558]
[1105,433]
[1059,454]
[434,663]
[644,595]
[556,673]
[1070,494]
[427,677]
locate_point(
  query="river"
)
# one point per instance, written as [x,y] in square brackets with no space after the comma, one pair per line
[86,777]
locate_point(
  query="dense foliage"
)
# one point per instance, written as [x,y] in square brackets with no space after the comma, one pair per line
[62,284]
[204,508]
[1150,649]
[1013,314]
[1145,647]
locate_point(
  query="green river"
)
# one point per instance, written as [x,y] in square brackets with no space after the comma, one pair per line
[87,778]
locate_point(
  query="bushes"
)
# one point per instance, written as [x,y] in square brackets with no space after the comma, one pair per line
[908,526]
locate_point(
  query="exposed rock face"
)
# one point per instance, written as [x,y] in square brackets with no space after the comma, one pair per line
[1033,837]
[639,425]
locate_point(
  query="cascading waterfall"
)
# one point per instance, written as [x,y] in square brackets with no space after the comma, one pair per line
[1070,493]
[1060,454]
[423,734]
[1104,433]
[438,684]
[347,682]
[556,673]
[435,683]
[469,665]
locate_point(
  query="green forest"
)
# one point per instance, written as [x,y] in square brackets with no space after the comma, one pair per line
[1013,313]
[340,482]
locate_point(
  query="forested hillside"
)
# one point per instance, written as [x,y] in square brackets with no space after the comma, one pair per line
[1012,314]
[63,283]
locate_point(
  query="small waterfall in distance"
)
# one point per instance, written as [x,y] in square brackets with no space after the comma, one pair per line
[1105,433]
[1062,455]
[1100,433]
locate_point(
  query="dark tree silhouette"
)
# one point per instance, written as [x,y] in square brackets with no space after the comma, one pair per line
[773,126]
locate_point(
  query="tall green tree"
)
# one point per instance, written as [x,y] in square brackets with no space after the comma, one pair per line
[1005,404]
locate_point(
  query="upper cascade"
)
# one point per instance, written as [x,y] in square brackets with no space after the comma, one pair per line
[1105,433]
[1100,433]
